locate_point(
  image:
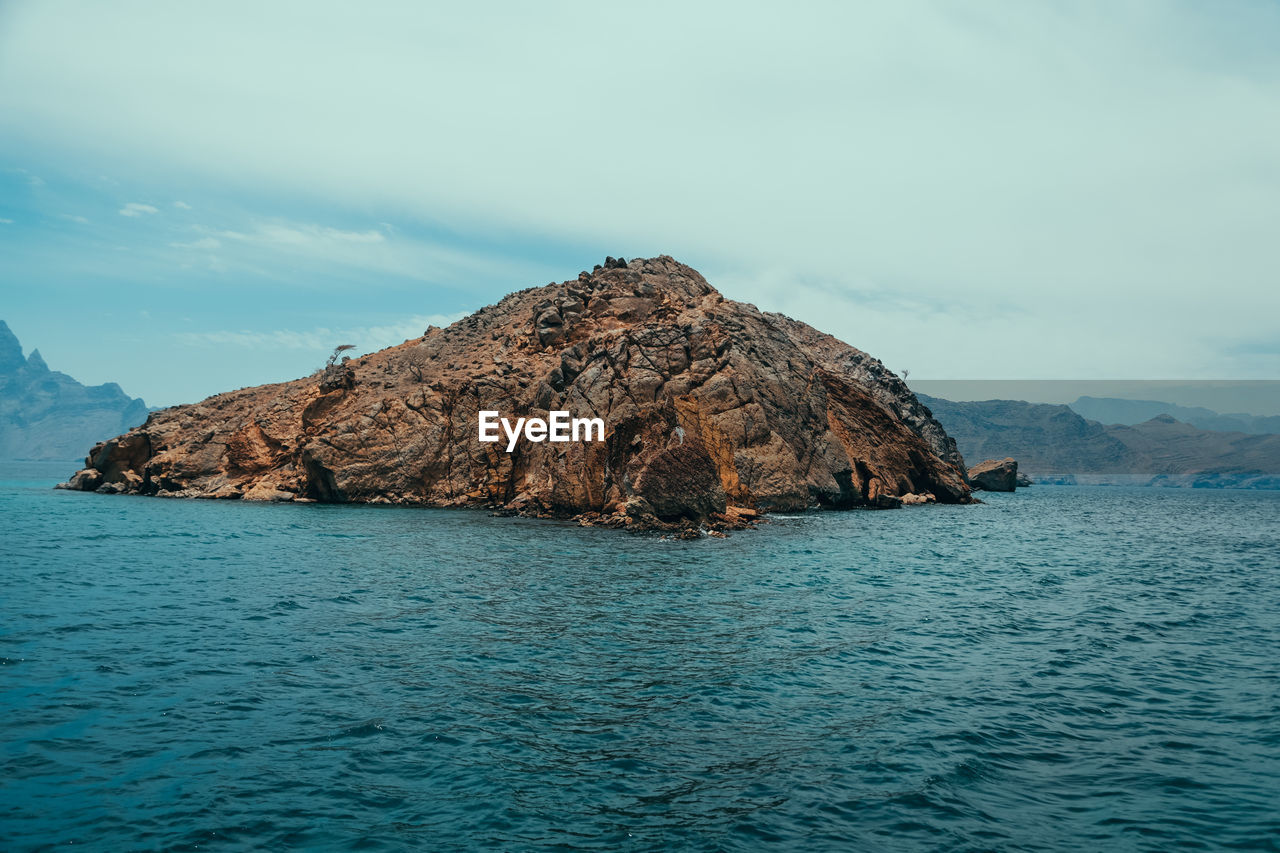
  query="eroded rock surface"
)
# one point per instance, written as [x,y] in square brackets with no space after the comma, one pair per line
[713,411]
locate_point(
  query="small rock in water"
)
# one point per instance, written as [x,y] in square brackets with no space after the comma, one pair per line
[995,475]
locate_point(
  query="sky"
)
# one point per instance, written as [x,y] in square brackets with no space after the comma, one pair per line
[199,197]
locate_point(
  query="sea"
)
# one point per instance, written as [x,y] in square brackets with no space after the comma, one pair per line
[1061,668]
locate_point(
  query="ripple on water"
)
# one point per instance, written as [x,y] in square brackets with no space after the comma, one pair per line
[1066,668]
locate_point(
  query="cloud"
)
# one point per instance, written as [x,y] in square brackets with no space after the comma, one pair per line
[289,234]
[202,243]
[6,221]
[182,205]
[268,244]
[72,217]
[133,208]
[1091,170]
[364,338]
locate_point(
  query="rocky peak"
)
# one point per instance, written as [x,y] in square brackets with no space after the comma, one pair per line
[10,350]
[618,294]
[36,362]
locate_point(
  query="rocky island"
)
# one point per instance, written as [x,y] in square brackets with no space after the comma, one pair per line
[713,411]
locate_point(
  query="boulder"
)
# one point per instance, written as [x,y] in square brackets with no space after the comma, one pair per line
[84,480]
[337,377]
[995,475]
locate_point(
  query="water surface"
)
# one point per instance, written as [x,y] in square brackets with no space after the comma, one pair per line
[1090,668]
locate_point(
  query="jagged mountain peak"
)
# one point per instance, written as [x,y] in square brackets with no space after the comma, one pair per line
[49,415]
[10,349]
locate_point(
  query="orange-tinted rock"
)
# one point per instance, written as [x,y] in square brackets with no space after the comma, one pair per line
[712,409]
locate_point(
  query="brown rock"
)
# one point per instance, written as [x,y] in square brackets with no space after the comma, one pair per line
[995,475]
[84,480]
[712,409]
[337,377]
[260,491]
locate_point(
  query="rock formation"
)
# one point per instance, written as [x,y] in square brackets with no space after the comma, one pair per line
[45,414]
[714,411]
[995,475]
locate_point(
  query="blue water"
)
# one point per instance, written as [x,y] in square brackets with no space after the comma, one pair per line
[1062,668]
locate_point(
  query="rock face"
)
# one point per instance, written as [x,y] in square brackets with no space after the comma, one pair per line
[712,410]
[45,414]
[994,475]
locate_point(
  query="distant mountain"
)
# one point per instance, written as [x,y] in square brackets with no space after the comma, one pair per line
[1054,443]
[1170,448]
[48,415]
[1112,410]
[1044,438]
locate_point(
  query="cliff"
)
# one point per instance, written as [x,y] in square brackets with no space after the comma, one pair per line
[45,414]
[1054,443]
[713,410]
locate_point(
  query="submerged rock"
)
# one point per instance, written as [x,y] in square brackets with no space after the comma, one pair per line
[995,475]
[713,411]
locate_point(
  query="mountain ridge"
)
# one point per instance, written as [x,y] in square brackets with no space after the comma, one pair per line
[1054,443]
[1115,410]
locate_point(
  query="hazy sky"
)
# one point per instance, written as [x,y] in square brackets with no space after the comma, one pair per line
[200,197]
